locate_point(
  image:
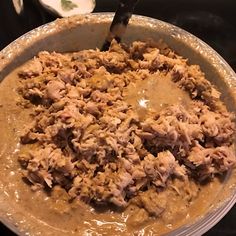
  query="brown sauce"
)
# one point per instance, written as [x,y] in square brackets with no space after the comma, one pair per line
[44,215]
[154,94]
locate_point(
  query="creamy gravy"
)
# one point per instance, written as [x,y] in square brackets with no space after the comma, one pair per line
[40,214]
[153,94]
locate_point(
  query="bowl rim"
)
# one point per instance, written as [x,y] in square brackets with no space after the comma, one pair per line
[8,54]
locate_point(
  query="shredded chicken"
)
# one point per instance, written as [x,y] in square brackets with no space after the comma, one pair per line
[90,141]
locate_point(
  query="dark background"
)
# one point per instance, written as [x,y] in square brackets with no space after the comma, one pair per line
[214,21]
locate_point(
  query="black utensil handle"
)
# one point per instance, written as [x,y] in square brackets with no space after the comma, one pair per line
[120,22]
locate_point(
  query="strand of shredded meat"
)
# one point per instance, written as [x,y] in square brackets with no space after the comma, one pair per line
[86,138]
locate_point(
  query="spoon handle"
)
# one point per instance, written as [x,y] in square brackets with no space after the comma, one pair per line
[120,22]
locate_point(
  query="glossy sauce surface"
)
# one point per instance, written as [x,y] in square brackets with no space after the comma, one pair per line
[154,94]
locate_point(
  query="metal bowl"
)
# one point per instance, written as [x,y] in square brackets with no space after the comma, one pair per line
[89,31]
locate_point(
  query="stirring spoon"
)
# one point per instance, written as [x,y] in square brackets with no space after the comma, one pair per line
[120,22]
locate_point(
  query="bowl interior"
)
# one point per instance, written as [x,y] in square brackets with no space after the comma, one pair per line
[89,31]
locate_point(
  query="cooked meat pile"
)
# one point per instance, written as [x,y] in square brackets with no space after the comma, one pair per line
[87,139]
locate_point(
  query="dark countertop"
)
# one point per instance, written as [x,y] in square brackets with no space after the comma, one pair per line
[214,21]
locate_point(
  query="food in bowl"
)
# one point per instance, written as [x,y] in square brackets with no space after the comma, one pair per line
[130,140]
